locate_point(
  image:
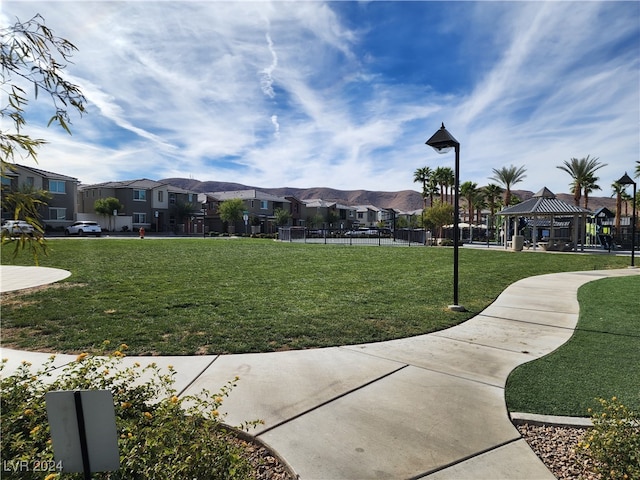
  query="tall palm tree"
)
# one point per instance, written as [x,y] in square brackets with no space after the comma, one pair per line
[637,174]
[582,172]
[588,186]
[480,203]
[618,191]
[423,175]
[508,177]
[469,190]
[446,179]
[432,189]
[439,176]
[492,193]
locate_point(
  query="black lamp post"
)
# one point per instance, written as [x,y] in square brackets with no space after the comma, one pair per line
[442,142]
[626,180]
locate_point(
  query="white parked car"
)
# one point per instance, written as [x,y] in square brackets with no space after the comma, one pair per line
[83,228]
[15,228]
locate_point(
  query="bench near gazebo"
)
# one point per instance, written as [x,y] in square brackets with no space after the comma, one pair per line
[554,224]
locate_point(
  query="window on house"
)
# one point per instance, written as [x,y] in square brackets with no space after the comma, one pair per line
[140,195]
[139,218]
[160,196]
[57,213]
[360,215]
[57,186]
[264,205]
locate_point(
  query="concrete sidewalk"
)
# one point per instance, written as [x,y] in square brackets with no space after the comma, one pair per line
[430,406]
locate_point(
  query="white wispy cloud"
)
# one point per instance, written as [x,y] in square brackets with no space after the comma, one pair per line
[293,93]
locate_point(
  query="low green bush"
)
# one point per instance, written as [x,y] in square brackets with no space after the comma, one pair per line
[613,444]
[161,436]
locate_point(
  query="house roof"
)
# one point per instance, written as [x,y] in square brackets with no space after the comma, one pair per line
[141,183]
[42,173]
[364,208]
[248,195]
[543,203]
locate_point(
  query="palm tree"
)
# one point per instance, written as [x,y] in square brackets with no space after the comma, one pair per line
[469,190]
[423,175]
[432,189]
[508,176]
[492,193]
[637,174]
[582,172]
[439,176]
[618,191]
[589,186]
[446,180]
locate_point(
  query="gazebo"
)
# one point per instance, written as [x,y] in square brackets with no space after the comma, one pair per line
[554,224]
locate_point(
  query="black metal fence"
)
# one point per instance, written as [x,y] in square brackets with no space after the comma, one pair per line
[404,237]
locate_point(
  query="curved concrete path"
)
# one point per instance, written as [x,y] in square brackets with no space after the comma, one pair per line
[430,406]
[18,278]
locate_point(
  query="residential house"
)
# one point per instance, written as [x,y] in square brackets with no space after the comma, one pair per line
[322,213]
[367,216]
[60,208]
[148,204]
[260,208]
[296,209]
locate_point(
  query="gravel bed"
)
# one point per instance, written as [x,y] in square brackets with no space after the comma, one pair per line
[556,447]
[266,465]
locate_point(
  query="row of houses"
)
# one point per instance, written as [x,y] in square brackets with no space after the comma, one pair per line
[162,207]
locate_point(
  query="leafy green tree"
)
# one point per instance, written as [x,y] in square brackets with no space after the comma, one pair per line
[31,53]
[439,215]
[106,207]
[508,177]
[184,210]
[402,222]
[317,220]
[582,173]
[282,216]
[231,211]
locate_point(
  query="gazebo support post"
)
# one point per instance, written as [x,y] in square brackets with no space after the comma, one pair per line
[534,234]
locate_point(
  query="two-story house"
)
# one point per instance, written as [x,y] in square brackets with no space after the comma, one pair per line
[259,207]
[367,216]
[59,209]
[329,214]
[146,204]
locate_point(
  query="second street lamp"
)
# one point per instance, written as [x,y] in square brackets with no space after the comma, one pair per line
[626,180]
[442,142]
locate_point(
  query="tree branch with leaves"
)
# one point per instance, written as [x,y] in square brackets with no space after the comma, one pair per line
[32,55]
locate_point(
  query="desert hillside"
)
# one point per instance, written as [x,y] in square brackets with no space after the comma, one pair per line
[405,200]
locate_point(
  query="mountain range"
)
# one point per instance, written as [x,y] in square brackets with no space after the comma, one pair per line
[404,200]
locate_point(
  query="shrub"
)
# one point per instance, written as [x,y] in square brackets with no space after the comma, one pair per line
[161,436]
[614,442]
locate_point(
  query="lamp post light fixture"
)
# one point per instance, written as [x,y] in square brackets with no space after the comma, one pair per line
[627,180]
[442,142]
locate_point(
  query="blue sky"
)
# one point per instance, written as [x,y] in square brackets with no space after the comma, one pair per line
[343,94]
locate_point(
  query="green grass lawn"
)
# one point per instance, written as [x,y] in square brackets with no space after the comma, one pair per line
[601,360]
[205,296]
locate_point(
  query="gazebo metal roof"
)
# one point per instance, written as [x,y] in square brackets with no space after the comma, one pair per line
[543,203]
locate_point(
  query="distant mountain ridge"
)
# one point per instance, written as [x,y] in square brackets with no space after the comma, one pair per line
[404,200]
